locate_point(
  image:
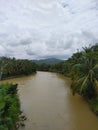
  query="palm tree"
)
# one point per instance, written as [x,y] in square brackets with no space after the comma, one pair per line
[85,76]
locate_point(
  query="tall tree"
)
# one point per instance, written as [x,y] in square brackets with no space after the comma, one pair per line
[85,75]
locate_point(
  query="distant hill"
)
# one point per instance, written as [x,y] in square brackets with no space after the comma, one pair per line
[48,61]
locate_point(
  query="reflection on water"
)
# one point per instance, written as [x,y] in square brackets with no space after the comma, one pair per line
[48,104]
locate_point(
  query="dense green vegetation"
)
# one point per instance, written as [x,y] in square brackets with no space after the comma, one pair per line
[9,106]
[43,67]
[15,67]
[82,68]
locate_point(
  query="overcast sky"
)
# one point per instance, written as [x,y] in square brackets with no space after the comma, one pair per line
[47,28]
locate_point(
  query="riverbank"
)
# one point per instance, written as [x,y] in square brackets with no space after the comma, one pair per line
[93,103]
[9,106]
[17,76]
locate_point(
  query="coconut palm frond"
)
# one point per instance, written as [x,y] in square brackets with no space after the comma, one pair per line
[84,84]
[91,75]
[75,86]
[81,69]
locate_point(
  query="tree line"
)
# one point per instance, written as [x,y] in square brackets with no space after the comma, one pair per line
[16,67]
[82,68]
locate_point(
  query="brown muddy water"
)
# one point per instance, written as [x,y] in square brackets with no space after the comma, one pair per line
[47,101]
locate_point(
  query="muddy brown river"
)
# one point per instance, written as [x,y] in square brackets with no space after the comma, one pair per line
[47,101]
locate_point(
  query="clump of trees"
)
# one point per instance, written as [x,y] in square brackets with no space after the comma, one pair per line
[9,106]
[85,74]
[82,68]
[15,67]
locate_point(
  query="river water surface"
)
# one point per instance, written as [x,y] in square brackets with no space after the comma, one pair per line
[47,101]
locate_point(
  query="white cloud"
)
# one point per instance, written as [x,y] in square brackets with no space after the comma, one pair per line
[46,28]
